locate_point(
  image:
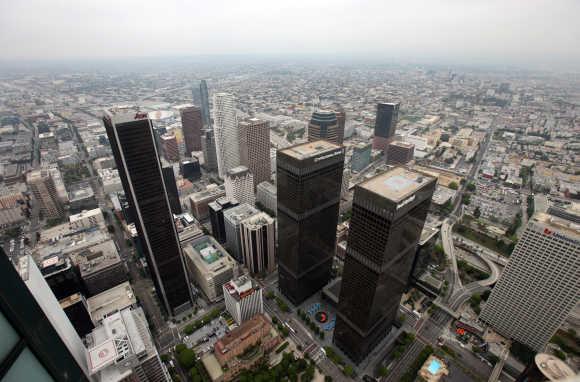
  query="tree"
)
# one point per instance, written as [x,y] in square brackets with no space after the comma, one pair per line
[383,371]
[453,185]
[327,378]
[348,371]
[186,358]
[470,187]
[477,212]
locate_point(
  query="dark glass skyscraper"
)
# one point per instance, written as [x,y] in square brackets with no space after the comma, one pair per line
[385,124]
[171,187]
[324,125]
[204,104]
[133,144]
[309,178]
[388,215]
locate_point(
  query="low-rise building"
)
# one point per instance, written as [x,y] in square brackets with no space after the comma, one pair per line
[199,201]
[209,265]
[101,267]
[111,301]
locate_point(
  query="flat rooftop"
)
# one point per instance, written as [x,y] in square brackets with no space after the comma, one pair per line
[402,144]
[396,184]
[309,149]
[564,226]
[111,301]
[125,113]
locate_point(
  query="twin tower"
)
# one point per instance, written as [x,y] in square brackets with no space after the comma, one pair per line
[388,214]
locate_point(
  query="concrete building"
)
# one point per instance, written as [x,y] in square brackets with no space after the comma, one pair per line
[361,157]
[122,349]
[258,239]
[243,299]
[81,197]
[389,211]
[266,197]
[227,140]
[192,126]
[44,191]
[87,219]
[101,267]
[210,266]
[132,140]
[385,125]
[255,148]
[341,120]
[169,147]
[239,183]
[547,367]
[324,125]
[399,153]
[216,217]
[208,146]
[199,201]
[111,301]
[309,179]
[233,217]
[204,103]
[540,286]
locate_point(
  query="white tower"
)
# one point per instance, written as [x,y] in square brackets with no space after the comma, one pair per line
[226,133]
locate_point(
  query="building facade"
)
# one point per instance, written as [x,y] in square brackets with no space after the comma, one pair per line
[192,126]
[44,191]
[361,157]
[541,284]
[239,183]
[169,147]
[389,211]
[385,125]
[341,120]
[243,299]
[258,239]
[399,153]
[255,148]
[227,141]
[204,104]
[199,201]
[324,125]
[133,144]
[233,217]
[208,146]
[309,179]
[38,341]
[216,217]
[266,197]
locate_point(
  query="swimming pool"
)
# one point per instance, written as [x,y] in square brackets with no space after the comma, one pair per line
[434,366]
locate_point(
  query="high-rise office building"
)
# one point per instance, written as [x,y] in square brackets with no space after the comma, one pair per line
[44,191]
[541,284]
[243,299]
[233,218]
[216,217]
[227,142]
[169,147]
[191,170]
[204,104]
[361,156]
[192,126]
[385,124]
[199,202]
[38,341]
[196,93]
[266,197]
[255,148]
[239,183]
[209,150]
[324,125]
[388,214]
[258,238]
[309,178]
[341,119]
[133,144]
[171,187]
[399,153]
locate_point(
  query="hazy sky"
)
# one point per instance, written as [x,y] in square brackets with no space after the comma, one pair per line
[520,32]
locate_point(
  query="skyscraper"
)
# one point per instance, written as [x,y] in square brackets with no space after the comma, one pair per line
[243,299]
[216,217]
[341,119]
[258,243]
[309,178]
[204,104]
[209,150]
[388,214]
[133,144]
[255,149]
[44,191]
[398,153]
[196,93]
[324,125]
[239,184]
[385,124]
[38,341]
[361,156]
[192,126]
[171,187]
[541,284]
[227,141]
[169,147]
[233,218]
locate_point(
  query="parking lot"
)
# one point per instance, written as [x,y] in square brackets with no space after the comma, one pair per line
[203,339]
